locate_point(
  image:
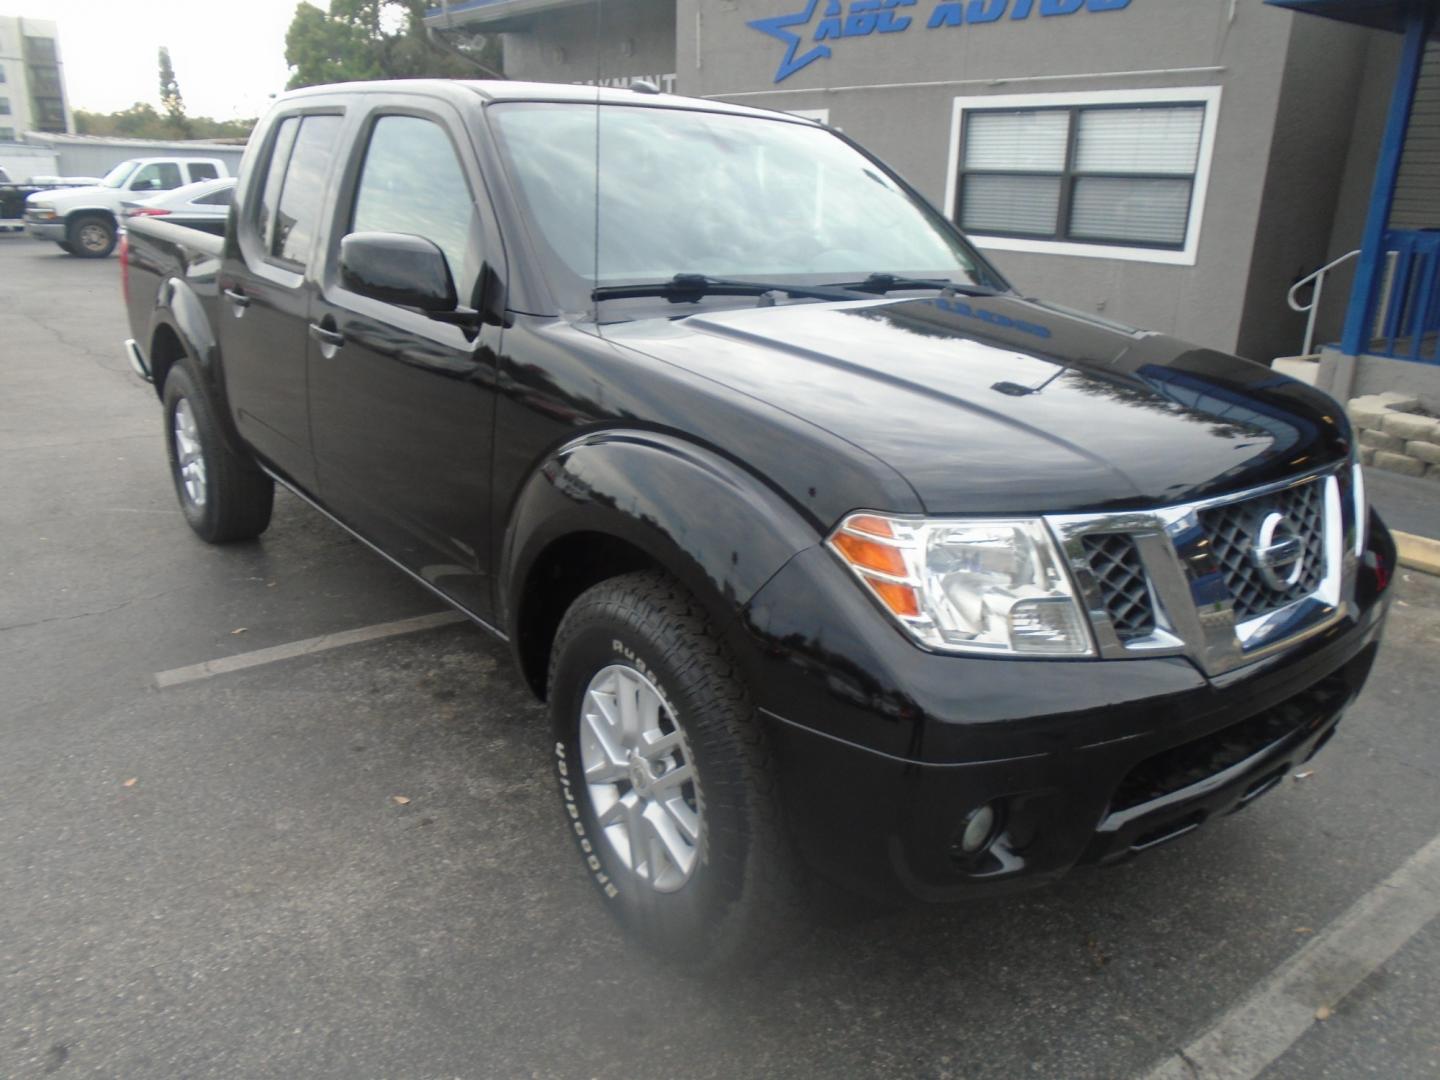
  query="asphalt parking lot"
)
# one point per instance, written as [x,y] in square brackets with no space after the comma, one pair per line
[216,879]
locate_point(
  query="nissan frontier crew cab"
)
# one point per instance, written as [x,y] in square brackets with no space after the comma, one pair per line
[828,550]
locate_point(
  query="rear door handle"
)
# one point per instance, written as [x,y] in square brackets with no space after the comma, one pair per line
[326,337]
[236,297]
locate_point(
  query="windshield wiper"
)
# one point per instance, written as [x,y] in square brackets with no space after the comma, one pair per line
[687,288]
[884,283]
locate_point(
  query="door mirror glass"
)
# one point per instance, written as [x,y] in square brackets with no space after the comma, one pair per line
[397,268]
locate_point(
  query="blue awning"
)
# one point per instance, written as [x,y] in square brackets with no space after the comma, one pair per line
[1384,14]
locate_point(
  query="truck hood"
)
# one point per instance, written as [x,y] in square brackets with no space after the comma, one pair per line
[52,200]
[1002,405]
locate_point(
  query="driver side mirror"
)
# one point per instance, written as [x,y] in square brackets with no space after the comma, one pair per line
[398,268]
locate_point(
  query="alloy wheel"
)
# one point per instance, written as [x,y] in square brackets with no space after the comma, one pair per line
[189,455]
[640,776]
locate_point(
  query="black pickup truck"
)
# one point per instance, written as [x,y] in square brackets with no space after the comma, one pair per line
[826,547]
[13,195]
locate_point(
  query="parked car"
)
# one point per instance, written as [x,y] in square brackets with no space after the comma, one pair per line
[86,221]
[826,547]
[202,206]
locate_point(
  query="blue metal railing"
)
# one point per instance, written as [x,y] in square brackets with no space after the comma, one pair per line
[1369,297]
[1407,311]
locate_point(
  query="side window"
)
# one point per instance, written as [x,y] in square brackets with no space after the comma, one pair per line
[223,197]
[412,183]
[202,170]
[274,175]
[303,191]
[157,176]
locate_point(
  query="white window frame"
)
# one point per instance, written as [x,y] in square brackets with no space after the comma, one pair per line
[1209,96]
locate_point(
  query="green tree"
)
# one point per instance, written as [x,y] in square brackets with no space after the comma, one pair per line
[379,39]
[143,121]
[170,99]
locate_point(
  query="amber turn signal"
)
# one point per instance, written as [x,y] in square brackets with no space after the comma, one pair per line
[900,599]
[868,555]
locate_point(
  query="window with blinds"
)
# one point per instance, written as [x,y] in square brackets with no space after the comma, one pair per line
[1103,174]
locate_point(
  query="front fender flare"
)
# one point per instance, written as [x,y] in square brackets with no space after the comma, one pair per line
[718,528]
[90,211]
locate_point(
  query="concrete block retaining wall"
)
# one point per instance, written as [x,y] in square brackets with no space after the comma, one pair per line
[1397,434]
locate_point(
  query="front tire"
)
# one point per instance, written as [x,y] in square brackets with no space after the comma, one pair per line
[223,496]
[91,236]
[65,246]
[666,779]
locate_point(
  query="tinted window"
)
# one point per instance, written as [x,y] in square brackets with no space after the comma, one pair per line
[304,189]
[697,192]
[412,183]
[157,176]
[279,157]
[203,170]
[223,197]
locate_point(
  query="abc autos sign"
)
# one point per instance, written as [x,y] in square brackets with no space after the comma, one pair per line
[807,33]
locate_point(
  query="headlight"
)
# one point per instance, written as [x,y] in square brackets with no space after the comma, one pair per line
[973,586]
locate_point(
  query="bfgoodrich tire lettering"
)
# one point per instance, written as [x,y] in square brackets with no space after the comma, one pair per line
[222,495]
[728,905]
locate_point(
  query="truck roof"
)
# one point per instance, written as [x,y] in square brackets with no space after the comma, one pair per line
[464,91]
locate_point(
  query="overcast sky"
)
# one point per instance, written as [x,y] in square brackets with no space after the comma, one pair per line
[229,55]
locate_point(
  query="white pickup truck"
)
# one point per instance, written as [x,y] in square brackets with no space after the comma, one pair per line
[86,221]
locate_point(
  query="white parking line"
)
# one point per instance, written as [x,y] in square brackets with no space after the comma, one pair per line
[323,643]
[1254,1033]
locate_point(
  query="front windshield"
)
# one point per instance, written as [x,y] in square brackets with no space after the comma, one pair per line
[709,193]
[117,176]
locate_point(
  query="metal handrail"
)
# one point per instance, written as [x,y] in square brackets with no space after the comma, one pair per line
[1318,277]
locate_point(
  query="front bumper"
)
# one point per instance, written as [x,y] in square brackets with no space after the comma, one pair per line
[885,749]
[46,230]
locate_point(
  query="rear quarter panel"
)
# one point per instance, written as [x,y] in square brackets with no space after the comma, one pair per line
[172,294]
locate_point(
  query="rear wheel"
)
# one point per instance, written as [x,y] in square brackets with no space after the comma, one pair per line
[64,245]
[91,236]
[223,495]
[665,776]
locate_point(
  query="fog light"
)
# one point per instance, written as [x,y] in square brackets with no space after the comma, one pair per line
[979,828]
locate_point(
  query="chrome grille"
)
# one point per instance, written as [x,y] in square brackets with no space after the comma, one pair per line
[1119,574]
[1233,530]
[1216,573]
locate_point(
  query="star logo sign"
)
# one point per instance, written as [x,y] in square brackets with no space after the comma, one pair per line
[778,26]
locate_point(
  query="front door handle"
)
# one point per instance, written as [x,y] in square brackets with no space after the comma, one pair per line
[236,297]
[326,337]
